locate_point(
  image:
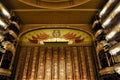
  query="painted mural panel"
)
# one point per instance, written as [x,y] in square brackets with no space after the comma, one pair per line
[71,36]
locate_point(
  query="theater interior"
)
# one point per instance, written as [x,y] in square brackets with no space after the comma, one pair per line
[59,39]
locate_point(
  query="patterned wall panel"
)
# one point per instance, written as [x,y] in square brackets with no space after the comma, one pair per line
[55,63]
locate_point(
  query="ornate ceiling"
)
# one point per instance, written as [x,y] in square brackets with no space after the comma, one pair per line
[55,11]
[54,3]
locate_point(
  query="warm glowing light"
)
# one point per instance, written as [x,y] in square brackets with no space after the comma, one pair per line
[110,35]
[56,40]
[106,7]
[106,22]
[111,16]
[117,27]
[115,30]
[103,11]
[4,11]
[3,24]
[117,9]
[115,49]
[117,69]
[1,37]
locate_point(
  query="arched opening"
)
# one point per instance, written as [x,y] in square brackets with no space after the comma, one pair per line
[44,54]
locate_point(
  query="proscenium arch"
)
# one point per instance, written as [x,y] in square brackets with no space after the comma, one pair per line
[51,5]
[52,28]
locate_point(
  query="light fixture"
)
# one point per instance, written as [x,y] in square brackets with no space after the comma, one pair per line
[110,35]
[3,24]
[103,11]
[115,30]
[106,22]
[117,9]
[117,68]
[115,49]
[106,7]
[4,11]
[111,16]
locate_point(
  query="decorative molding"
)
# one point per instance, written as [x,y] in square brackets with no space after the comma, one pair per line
[82,27]
[52,5]
[36,10]
[72,36]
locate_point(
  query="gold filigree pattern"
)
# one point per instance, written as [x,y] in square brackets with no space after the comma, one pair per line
[56,63]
